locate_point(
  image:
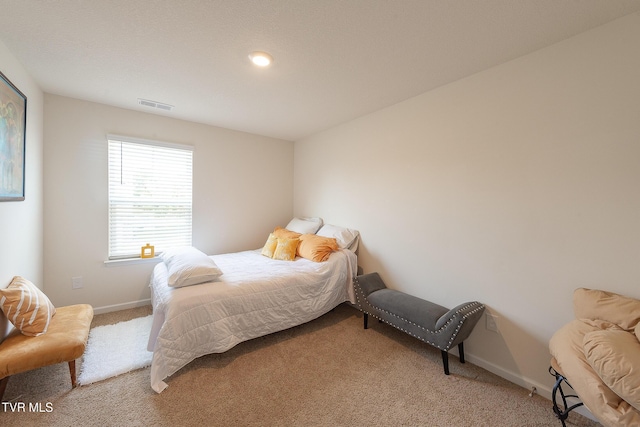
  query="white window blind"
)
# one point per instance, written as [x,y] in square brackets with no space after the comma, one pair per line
[149,196]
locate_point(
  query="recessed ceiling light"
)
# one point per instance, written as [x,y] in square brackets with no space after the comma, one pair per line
[261,59]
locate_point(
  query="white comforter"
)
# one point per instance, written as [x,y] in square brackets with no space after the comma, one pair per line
[255,296]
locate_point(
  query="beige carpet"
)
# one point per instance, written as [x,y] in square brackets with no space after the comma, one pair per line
[329,372]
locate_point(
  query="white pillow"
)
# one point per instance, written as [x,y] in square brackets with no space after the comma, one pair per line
[188,266]
[345,237]
[304,225]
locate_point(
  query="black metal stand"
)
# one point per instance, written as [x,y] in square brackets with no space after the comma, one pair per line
[562,412]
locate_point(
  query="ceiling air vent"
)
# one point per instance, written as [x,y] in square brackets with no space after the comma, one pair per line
[154,104]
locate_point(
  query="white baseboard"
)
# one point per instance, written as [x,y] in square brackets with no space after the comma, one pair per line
[541,389]
[123,306]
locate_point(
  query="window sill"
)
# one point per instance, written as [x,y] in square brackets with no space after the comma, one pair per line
[131,261]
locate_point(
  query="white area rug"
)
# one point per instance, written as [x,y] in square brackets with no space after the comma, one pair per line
[115,349]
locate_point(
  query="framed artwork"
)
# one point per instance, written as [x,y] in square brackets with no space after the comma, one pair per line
[13,123]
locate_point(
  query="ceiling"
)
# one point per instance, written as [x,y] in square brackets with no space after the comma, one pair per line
[335,60]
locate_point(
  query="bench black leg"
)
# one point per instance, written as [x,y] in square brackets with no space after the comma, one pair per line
[445,358]
[445,361]
[366,320]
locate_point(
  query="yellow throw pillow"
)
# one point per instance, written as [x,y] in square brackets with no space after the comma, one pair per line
[613,355]
[27,307]
[286,249]
[270,247]
[316,248]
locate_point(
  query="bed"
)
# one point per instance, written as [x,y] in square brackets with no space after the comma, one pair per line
[254,295]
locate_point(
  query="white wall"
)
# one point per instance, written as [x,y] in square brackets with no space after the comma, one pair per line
[512,187]
[21,222]
[243,187]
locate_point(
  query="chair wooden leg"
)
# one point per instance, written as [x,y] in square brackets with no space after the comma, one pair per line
[3,386]
[461,352]
[366,320]
[72,371]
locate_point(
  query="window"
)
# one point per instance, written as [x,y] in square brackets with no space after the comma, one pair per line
[149,196]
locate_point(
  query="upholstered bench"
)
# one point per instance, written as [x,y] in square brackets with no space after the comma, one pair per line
[429,322]
[64,341]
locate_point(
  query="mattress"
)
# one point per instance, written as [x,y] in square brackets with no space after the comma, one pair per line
[254,297]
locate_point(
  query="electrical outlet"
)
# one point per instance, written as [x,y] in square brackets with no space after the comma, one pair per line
[492,322]
[76,282]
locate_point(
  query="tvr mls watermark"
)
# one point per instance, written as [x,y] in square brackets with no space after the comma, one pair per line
[24,407]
